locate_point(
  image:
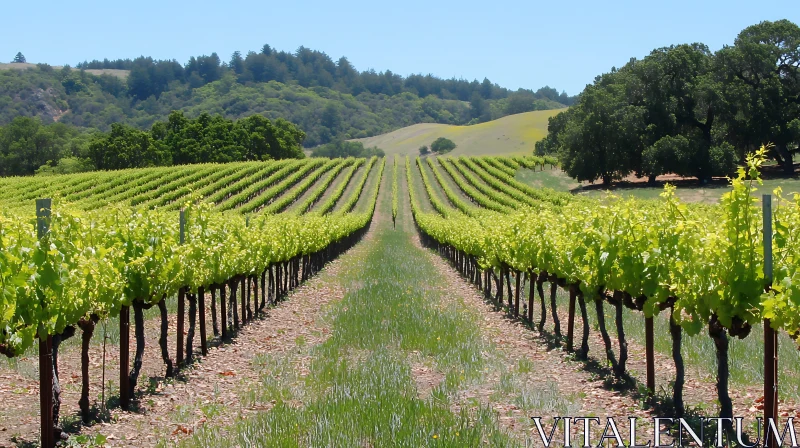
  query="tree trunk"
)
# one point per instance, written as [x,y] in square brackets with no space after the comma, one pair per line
[138,317]
[286,276]
[234,286]
[162,340]
[273,285]
[190,334]
[278,282]
[124,355]
[223,315]
[245,297]
[786,161]
[553,309]
[531,287]
[571,318]
[720,337]
[510,291]
[677,390]
[583,353]
[292,275]
[601,321]
[623,344]
[539,288]
[250,296]
[201,294]
[499,283]
[214,326]
[263,290]
[516,295]
[56,388]
[87,330]
[57,340]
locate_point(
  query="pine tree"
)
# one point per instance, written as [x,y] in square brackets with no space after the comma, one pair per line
[19,58]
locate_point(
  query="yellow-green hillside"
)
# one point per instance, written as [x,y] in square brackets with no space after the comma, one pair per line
[514,134]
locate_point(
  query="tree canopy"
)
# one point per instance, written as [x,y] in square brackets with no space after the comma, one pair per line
[686,110]
[19,58]
[442,145]
[308,68]
[181,140]
[26,144]
[344,148]
[760,89]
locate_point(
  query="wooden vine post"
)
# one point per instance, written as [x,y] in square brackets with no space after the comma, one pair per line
[181,297]
[650,355]
[770,335]
[47,435]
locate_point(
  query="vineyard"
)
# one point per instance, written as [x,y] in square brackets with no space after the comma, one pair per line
[109,242]
[234,241]
[705,266]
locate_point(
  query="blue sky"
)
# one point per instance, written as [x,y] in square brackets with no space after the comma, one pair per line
[564,44]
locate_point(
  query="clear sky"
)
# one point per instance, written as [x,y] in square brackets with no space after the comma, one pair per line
[563,44]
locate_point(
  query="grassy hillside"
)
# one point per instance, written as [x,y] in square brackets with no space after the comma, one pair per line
[514,134]
[327,101]
[81,99]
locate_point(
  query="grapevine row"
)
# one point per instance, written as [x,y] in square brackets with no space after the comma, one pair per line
[485,197]
[704,265]
[456,201]
[324,186]
[89,265]
[330,203]
[394,190]
[437,204]
[351,202]
[290,196]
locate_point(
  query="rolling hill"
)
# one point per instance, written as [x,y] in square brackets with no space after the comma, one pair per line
[513,134]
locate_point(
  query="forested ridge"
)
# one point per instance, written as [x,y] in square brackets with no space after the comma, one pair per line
[328,100]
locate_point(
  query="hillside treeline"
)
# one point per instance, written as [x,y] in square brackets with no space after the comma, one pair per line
[686,110]
[308,68]
[28,146]
[328,100]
